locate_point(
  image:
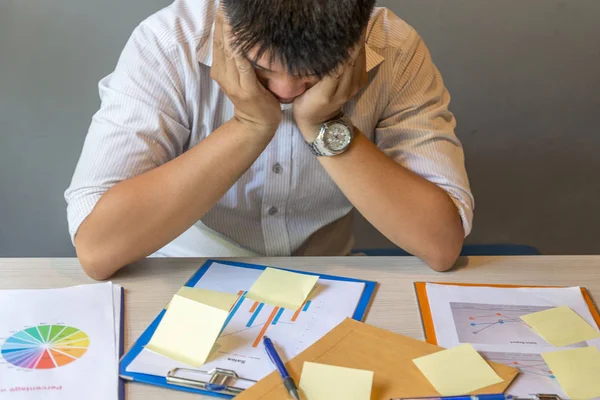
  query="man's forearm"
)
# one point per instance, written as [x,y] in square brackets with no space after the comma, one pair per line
[140,215]
[412,212]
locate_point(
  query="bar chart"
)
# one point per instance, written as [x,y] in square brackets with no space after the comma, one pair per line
[255,311]
[239,346]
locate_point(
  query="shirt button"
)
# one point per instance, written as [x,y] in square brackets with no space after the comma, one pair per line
[273,210]
[277,168]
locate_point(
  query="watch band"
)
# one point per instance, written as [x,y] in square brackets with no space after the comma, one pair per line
[315,150]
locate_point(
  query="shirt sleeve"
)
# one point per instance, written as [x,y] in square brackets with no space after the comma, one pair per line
[142,123]
[417,129]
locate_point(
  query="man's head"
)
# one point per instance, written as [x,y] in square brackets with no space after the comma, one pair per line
[294,43]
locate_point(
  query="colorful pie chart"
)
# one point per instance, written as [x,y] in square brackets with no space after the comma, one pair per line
[45,346]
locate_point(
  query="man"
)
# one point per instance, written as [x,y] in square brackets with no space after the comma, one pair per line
[255,126]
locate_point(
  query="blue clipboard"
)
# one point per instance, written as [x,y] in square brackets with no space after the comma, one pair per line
[138,346]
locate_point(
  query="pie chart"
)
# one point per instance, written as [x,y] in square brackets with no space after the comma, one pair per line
[45,346]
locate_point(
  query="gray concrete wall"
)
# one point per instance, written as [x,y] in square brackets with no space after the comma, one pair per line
[525,83]
[524,76]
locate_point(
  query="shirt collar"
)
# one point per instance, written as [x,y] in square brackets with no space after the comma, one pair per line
[373,58]
[205,49]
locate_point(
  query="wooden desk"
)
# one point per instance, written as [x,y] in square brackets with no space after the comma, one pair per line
[151,283]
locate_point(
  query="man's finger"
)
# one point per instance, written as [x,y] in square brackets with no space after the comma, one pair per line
[247,76]
[218,44]
[353,67]
[357,50]
[227,47]
[229,54]
[329,84]
[359,72]
[345,83]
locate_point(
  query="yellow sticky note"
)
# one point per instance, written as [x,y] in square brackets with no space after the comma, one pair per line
[457,371]
[561,326]
[221,300]
[188,331]
[282,288]
[327,382]
[577,371]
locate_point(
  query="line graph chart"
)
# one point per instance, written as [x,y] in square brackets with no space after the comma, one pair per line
[482,322]
[495,324]
[535,377]
[527,363]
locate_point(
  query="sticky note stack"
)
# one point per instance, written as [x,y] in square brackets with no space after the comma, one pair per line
[191,325]
[195,317]
[457,371]
[560,326]
[577,370]
[282,288]
[327,382]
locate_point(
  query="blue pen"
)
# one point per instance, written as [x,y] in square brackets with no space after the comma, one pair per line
[276,360]
[500,396]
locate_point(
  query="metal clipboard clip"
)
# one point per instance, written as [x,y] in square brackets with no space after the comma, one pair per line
[542,396]
[219,380]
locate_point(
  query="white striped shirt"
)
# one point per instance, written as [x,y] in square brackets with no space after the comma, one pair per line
[160,101]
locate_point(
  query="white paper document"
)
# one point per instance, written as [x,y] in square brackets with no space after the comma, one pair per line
[239,346]
[60,343]
[489,319]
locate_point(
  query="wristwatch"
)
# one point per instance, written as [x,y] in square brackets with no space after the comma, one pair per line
[334,138]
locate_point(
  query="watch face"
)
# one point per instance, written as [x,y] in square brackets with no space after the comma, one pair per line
[337,137]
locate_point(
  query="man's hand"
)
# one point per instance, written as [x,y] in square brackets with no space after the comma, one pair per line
[254,105]
[325,100]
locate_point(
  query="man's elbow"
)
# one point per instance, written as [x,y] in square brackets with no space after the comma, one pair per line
[443,260]
[93,263]
[442,255]
[94,268]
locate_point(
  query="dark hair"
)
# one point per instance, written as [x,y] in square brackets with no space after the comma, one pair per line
[309,37]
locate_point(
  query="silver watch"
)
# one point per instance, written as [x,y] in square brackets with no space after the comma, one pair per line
[334,137]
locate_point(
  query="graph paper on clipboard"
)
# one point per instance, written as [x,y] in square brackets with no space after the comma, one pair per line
[239,359]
